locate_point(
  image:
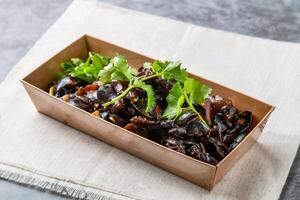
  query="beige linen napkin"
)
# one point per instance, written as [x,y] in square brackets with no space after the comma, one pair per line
[39,151]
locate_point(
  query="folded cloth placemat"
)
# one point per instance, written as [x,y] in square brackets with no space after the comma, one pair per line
[39,151]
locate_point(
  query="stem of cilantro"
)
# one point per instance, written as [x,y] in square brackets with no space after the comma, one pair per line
[118,97]
[128,89]
[152,76]
[193,109]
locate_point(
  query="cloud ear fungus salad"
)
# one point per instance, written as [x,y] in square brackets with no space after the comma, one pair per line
[158,101]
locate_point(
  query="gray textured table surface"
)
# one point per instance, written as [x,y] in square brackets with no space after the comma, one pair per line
[23,22]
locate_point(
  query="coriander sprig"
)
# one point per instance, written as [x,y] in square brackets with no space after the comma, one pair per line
[118,69]
[192,92]
[136,84]
[186,91]
[167,70]
[85,70]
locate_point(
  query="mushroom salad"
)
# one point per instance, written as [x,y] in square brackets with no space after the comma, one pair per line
[159,101]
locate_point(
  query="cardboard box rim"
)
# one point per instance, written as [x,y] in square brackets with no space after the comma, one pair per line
[216,174]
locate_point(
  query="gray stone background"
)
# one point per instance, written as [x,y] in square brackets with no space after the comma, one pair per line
[22,22]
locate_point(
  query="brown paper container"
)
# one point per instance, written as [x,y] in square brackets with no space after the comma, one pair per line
[205,175]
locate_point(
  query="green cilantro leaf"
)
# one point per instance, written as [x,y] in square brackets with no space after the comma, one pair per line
[120,64]
[193,92]
[76,61]
[150,94]
[189,85]
[157,66]
[85,71]
[105,74]
[117,69]
[169,70]
[147,65]
[197,91]
[172,65]
[67,67]
[88,70]
[99,61]
[175,101]
[116,75]
[200,93]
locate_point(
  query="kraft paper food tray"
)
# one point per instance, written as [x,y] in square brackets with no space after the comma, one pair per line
[203,174]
